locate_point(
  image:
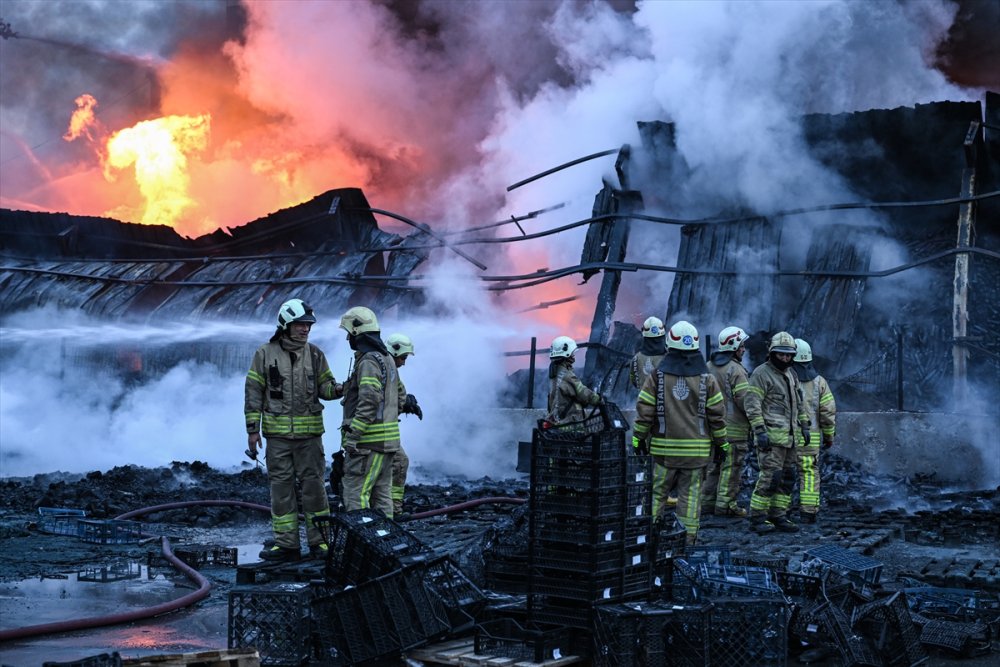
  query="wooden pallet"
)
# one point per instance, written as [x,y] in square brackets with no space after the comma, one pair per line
[241,657]
[461,652]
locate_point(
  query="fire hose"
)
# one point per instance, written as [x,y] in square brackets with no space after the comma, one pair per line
[204,586]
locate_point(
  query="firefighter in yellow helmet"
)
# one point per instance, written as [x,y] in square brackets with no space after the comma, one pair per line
[722,486]
[287,378]
[822,410]
[567,395]
[400,348]
[650,352]
[681,414]
[779,421]
[371,410]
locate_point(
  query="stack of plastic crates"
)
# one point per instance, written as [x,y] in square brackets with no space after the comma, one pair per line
[505,554]
[632,633]
[365,544]
[590,527]
[375,622]
[275,619]
[669,543]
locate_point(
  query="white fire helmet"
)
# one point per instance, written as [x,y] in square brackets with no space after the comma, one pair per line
[782,342]
[294,310]
[359,320]
[563,347]
[731,338]
[399,345]
[652,327]
[683,336]
[803,352]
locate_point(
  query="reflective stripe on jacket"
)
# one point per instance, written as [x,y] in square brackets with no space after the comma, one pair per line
[371,403]
[774,401]
[568,396]
[282,391]
[683,416]
[734,383]
[821,408]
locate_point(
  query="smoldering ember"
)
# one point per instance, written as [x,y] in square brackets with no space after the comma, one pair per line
[560,505]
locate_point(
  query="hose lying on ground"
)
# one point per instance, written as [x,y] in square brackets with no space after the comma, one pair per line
[204,586]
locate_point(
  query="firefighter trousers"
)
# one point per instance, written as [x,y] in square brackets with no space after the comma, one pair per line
[686,483]
[400,466]
[773,492]
[368,480]
[807,459]
[292,463]
[722,482]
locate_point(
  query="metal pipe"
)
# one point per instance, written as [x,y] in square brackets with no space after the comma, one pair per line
[531,375]
[561,167]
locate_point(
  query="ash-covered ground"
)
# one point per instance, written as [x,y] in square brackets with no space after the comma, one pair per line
[922,533]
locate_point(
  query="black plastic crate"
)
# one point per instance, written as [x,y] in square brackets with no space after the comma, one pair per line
[507,575]
[373,623]
[506,638]
[559,611]
[737,581]
[110,531]
[800,587]
[274,619]
[687,636]
[888,624]
[607,587]
[749,632]
[770,561]
[584,558]
[848,563]
[461,598]
[855,650]
[604,418]
[669,537]
[629,500]
[586,474]
[708,556]
[632,530]
[200,555]
[963,639]
[631,634]
[363,545]
[567,445]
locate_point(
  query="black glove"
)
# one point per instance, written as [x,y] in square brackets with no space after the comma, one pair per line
[337,472]
[410,407]
[718,455]
[827,442]
[806,436]
[763,441]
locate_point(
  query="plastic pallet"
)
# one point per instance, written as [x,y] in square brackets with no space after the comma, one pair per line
[373,623]
[888,624]
[749,632]
[631,634]
[506,638]
[272,618]
[848,563]
[687,636]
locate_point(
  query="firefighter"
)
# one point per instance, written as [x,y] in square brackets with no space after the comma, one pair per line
[370,428]
[681,413]
[822,410]
[567,395]
[650,353]
[287,378]
[778,418]
[400,347]
[722,486]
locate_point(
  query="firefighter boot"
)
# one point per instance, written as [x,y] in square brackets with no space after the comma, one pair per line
[783,524]
[809,517]
[760,524]
[278,554]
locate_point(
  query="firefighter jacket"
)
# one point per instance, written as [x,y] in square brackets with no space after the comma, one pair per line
[641,367]
[683,414]
[821,408]
[371,403]
[567,395]
[283,388]
[774,402]
[734,382]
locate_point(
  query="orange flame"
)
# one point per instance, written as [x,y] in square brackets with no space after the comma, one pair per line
[158,149]
[82,121]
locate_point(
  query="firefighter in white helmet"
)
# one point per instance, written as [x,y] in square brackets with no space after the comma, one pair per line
[287,378]
[722,485]
[681,414]
[371,415]
[567,395]
[400,348]
[650,352]
[822,410]
[779,421]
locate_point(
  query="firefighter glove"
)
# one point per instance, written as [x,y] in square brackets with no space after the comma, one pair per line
[763,441]
[639,445]
[719,453]
[806,436]
[337,472]
[827,441]
[410,407]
